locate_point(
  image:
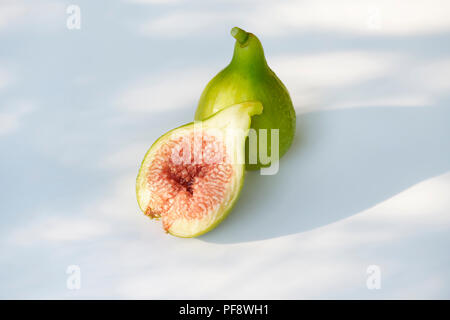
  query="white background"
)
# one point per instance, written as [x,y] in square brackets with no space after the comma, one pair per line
[366,181]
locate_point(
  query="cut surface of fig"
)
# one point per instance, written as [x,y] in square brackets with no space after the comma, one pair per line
[191,176]
[187,190]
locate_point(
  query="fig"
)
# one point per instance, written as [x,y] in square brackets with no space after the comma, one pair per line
[191,176]
[248,77]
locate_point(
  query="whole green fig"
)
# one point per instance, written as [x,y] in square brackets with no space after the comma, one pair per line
[249,78]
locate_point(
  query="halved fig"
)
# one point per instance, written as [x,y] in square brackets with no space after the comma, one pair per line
[191,176]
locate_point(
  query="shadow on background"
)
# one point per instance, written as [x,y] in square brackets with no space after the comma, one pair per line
[342,162]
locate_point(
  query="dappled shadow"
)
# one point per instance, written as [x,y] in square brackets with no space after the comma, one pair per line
[342,162]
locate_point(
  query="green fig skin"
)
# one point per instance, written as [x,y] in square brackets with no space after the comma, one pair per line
[248,77]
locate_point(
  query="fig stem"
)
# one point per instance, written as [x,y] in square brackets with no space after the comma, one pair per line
[240,35]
